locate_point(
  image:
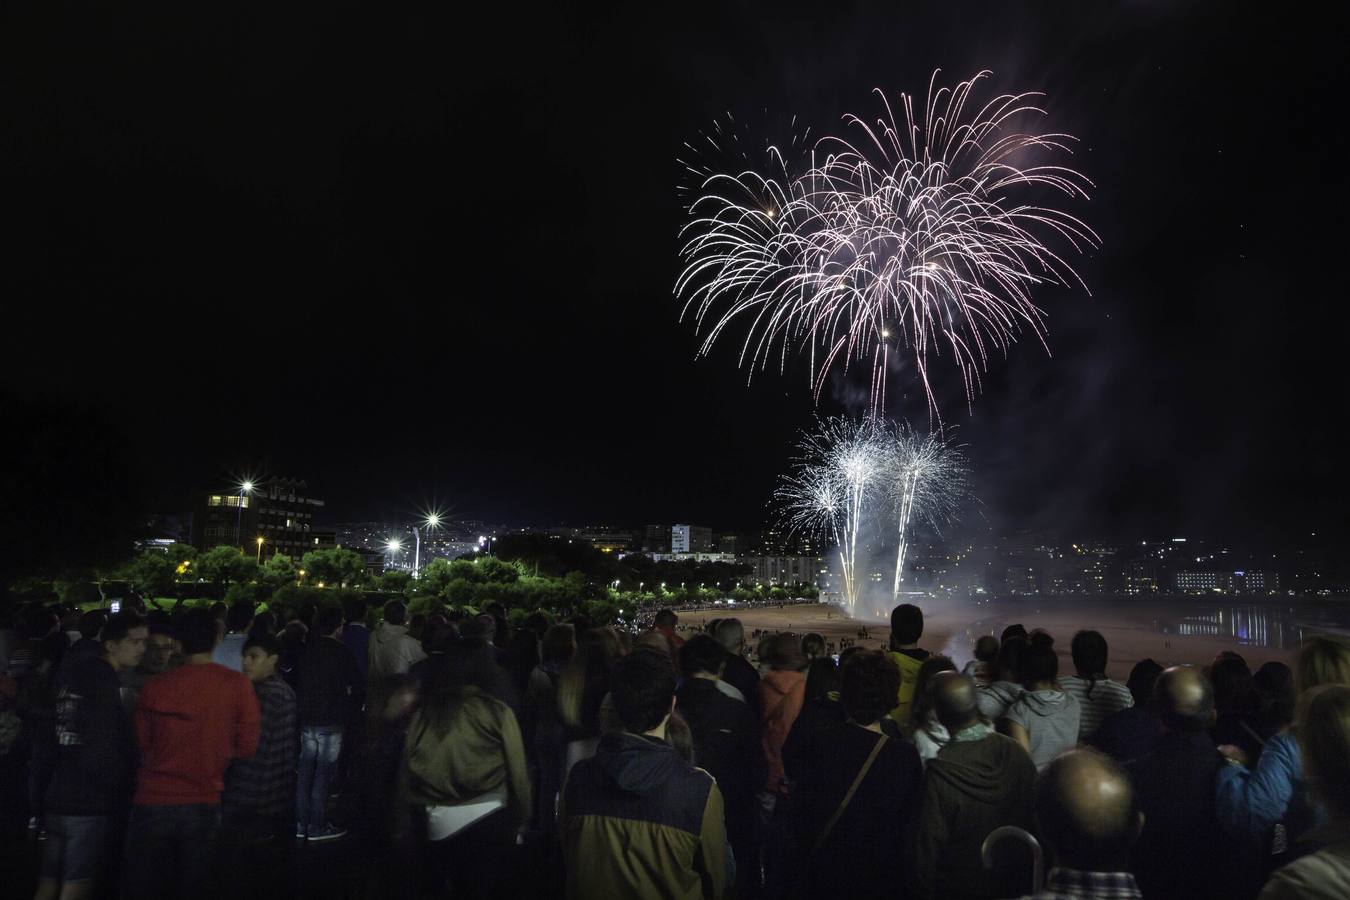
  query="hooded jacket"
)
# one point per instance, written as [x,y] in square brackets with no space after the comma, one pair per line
[969,789]
[781,694]
[639,821]
[393,651]
[994,699]
[1051,719]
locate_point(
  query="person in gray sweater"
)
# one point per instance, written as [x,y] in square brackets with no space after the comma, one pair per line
[1044,719]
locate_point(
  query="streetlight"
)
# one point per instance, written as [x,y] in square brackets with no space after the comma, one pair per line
[431,523]
[260,543]
[392,546]
[245,487]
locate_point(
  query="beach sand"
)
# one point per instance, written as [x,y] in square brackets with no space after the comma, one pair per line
[1133,630]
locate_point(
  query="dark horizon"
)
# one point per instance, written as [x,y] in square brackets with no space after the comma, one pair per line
[428,259]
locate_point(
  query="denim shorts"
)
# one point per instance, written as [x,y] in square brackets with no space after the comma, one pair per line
[76,847]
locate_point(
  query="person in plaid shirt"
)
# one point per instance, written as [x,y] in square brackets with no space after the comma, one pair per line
[258,803]
[1086,808]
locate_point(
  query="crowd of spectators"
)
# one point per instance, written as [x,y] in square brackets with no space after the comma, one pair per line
[200,752]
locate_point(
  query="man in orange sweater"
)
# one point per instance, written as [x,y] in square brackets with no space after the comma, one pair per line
[190,723]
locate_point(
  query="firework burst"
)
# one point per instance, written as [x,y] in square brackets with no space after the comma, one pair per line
[831,487]
[851,477]
[924,238]
[926,480]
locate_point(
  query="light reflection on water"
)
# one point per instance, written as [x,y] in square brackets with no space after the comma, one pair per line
[1272,625]
[1280,627]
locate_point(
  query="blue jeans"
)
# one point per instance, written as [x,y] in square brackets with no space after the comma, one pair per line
[169,850]
[320,746]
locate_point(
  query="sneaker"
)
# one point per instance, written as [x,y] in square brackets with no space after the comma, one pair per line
[300,834]
[327,833]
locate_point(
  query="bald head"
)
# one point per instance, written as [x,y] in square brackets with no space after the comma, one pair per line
[954,700]
[1086,809]
[1183,699]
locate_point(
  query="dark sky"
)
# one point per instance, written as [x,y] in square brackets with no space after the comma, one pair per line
[419,253]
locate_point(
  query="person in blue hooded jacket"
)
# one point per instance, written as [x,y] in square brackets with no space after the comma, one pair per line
[1270,805]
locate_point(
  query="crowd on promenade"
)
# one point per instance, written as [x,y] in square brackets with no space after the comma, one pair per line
[200,752]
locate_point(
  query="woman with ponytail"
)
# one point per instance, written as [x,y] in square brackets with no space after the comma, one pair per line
[1097,695]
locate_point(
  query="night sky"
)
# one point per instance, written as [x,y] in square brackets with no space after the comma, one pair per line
[427,254]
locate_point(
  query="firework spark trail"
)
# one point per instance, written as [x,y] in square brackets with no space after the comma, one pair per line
[926,476]
[915,237]
[832,486]
[849,474]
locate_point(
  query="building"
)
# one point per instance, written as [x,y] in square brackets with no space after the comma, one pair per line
[279,511]
[374,560]
[1236,582]
[1143,577]
[694,557]
[729,542]
[784,570]
[690,539]
[657,539]
[1023,580]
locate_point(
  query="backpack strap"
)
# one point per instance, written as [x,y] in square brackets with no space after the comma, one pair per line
[852,789]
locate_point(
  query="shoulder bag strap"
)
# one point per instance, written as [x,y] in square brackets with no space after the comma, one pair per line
[852,789]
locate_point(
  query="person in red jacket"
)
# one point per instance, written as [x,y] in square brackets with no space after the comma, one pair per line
[190,723]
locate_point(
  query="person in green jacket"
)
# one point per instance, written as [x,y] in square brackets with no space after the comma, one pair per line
[465,778]
[637,821]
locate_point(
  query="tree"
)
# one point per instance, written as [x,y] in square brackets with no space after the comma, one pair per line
[153,573]
[181,553]
[435,577]
[225,565]
[334,567]
[496,571]
[395,580]
[279,569]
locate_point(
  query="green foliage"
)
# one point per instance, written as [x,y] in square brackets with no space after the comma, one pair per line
[460,591]
[180,553]
[462,583]
[78,593]
[225,565]
[497,571]
[426,605]
[288,599]
[245,593]
[152,573]
[335,568]
[435,577]
[395,581]
[778,595]
[279,569]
